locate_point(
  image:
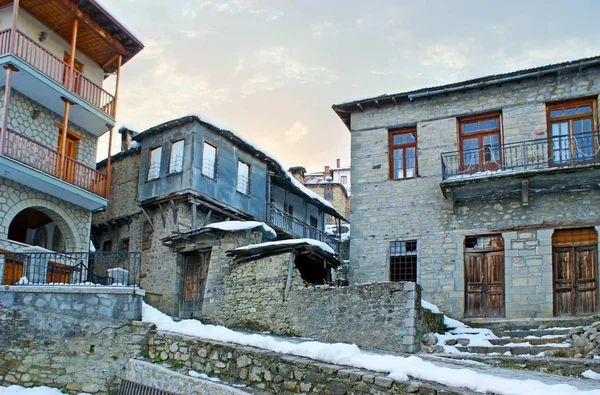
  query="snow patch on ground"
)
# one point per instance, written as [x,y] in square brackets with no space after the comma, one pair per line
[204,376]
[18,390]
[399,368]
[590,374]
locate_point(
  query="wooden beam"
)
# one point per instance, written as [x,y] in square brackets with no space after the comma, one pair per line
[13,27]
[116,99]
[109,62]
[72,6]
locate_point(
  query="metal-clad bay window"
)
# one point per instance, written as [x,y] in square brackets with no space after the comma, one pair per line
[209,160]
[403,153]
[176,157]
[243,178]
[154,163]
[403,261]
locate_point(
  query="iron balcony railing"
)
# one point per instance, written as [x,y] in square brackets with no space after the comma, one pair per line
[57,70]
[529,155]
[28,151]
[299,228]
[71,268]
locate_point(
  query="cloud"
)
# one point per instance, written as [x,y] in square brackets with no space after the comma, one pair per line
[381,72]
[296,132]
[322,29]
[274,67]
[445,55]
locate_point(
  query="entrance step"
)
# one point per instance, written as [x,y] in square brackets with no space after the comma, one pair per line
[554,324]
[512,349]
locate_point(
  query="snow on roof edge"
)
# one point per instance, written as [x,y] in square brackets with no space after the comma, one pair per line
[319,244]
[233,226]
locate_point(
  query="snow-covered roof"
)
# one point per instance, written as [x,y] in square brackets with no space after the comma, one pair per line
[235,226]
[292,242]
[274,164]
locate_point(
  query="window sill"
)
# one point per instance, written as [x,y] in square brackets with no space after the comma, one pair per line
[404,179]
[174,173]
[209,177]
[153,179]
[247,195]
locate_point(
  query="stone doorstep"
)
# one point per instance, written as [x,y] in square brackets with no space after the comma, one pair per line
[515,350]
[566,366]
[506,324]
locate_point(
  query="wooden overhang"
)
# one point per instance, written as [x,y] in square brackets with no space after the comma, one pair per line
[344,110]
[100,36]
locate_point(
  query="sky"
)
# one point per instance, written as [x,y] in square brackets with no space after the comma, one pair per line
[270,70]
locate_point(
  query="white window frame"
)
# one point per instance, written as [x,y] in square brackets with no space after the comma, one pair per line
[206,166]
[243,186]
[154,163]
[176,156]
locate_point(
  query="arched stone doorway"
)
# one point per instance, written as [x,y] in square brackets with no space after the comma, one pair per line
[42,227]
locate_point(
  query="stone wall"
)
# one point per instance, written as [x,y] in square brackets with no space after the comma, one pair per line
[275,373]
[73,221]
[75,339]
[254,298]
[43,128]
[384,210]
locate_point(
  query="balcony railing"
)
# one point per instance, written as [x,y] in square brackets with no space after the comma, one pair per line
[299,228]
[530,155]
[57,70]
[71,268]
[28,151]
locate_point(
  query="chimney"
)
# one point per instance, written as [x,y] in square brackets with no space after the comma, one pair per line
[298,173]
[337,163]
[126,135]
[326,171]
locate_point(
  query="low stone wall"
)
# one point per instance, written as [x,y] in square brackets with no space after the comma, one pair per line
[385,316]
[275,373]
[74,338]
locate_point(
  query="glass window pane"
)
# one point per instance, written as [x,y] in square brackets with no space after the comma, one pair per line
[243,178]
[587,125]
[556,113]
[470,151]
[154,165]
[209,158]
[584,108]
[569,111]
[404,138]
[489,124]
[398,169]
[469,127]
[176,160]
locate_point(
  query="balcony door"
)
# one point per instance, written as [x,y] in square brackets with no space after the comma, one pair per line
[570,131]
[77,76]
[479,139]
[70,145]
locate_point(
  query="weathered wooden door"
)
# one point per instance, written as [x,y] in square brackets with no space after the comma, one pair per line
[575,280]
[195,270]
[484,284]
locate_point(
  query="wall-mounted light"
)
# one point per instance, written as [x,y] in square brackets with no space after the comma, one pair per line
[35,114]
[43,36]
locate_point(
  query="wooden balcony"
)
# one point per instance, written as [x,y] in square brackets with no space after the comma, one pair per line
[57,70]
[299,228]
[45,159]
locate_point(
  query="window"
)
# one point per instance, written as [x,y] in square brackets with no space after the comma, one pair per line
[154,163]
[479,141]
[344,180]
[571,124]
[290,210]
[124,245]
[328,193]
[209,160]
[314,222]
[403,261]
[176,157]
[243,178]
[147,233]
[403,153]
[107,246]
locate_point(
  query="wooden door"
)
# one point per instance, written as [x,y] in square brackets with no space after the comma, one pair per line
[484,284]
[13,270]
[575,280]
[195,271]
[77,76]
[71,142]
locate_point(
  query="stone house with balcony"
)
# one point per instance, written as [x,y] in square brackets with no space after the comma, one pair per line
[172,180]
[55,56]
[485,192]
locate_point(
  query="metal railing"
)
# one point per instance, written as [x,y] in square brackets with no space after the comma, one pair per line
[56,69]
[28,151]
[299,228]
[528,155]
[71,268]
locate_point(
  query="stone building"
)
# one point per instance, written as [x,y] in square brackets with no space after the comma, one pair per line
[53,111]
[177,178]
[485,192]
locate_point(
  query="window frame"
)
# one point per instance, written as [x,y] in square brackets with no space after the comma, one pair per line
[171,144]
[343,180]
[149,164]
[562,104]
[390,257]
[216,147]
[403,147]
[237,181]
[482,165]
[147,235]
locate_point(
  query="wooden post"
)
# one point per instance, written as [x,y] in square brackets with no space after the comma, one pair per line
[65,122]
[71,73]
[9,70]
[110,130]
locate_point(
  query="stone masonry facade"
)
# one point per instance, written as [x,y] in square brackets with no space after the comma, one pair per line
[339,197]
[385,210]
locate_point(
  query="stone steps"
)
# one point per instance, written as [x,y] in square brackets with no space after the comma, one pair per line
[514,350]
[533,342]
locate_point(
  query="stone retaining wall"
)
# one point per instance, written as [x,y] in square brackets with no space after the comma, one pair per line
[74,338]
[276,373]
